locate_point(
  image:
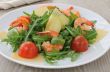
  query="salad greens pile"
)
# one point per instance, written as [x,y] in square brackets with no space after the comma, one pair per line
[66,34]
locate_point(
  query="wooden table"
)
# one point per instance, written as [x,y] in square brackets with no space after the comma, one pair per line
[101,65]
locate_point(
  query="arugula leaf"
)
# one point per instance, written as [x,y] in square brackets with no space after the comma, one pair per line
[94,21]
[91,41]
[74,31]
[69,29]
[33,17]
[77,31]
[57,40]
[40,39]
[64,33]
[56,53]
[73,16]
[30,30]
[91,34]
[49,59]
[52,57]
[12,32]
[71,21]
[14,38]
[27,13]
[38,24]
[39,46]
[73,55]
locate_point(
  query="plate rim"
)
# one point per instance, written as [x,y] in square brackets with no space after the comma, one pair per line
[52,67]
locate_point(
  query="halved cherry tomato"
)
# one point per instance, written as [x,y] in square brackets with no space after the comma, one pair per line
[79,44]
[28,50]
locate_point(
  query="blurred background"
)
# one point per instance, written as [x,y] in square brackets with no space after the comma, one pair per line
[100,6]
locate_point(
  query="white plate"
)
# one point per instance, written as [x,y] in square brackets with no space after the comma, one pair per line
[94,52]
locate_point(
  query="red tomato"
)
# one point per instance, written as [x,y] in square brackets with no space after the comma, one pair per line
[28,50]
[79,44]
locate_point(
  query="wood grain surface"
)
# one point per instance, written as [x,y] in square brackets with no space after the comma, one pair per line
[102,64]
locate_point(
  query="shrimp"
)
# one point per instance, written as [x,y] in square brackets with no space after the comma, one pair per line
[69,9]
[47,46]
[77,13]
[83,23]
[49,33]
[22,21]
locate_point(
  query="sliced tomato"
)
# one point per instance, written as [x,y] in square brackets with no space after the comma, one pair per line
[28,50]
[79,44]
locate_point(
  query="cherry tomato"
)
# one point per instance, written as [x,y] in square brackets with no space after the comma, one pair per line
[28,50]
[79,44]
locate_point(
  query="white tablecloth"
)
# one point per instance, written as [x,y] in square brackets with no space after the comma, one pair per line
[5,4]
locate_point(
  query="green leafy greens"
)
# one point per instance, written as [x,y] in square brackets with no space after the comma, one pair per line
[66,35]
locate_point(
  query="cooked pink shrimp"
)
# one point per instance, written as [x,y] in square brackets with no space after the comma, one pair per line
[77,13]
[71,8]
[47,46]
[50,33]
[83,23]
[67,11]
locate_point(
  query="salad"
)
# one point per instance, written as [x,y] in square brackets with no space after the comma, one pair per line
[51,32]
